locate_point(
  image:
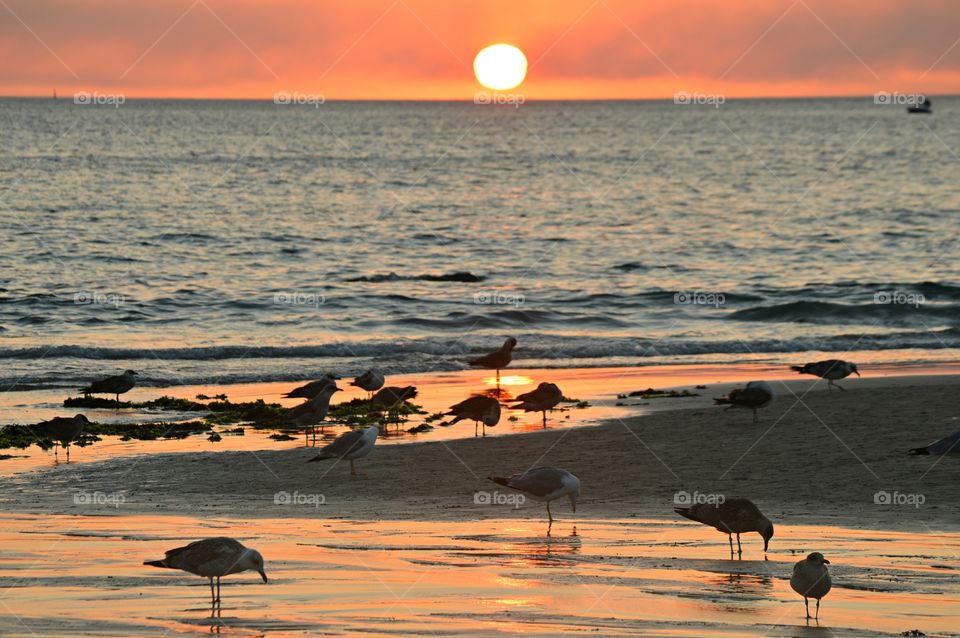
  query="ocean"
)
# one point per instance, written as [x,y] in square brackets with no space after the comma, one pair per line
[230,241]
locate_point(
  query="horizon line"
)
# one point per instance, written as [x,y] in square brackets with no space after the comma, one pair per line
[668,98]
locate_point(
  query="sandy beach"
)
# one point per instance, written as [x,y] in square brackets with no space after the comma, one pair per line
[813,457]
[422,543]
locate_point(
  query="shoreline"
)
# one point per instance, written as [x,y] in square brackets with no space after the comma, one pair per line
[809,447]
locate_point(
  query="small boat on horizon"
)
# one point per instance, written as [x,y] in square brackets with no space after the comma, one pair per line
[923,107]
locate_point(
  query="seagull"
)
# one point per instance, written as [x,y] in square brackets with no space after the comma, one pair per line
[757,394]
[312,412]
[544,484]
[392,396]
[479,409]
[947,445]
[312,389]
[736,516]
[497,359]
[212,558]
[545,397]
[830,369]
[811,579]
[62,429]
[371,380]
[116,385]
[350,445]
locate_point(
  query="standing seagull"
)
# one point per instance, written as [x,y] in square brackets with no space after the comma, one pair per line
[811,579]
[371,380]
[311,413]
[392,396]
[946,445]
[350,445]
[830,369]
[479,409]
[736,516]
[213,558]
[116,385]
[312,389]
[544,484]
[757,394]
[545,397]
[497,359]
[63,430]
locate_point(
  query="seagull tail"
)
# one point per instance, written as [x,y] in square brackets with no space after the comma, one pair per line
[800,369]
[156,563]
[919,450]
[500,480]
[319,458]
[685,512]
[722,400]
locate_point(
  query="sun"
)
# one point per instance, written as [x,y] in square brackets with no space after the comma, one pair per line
[500,67]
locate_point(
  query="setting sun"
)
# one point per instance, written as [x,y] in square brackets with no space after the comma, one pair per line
[500,67]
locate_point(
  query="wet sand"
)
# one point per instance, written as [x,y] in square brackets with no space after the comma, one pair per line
[82,575]
[414,545]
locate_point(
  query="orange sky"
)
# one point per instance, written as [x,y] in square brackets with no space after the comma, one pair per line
[423,49]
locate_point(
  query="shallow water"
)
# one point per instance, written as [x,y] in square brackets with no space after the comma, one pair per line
[68,575]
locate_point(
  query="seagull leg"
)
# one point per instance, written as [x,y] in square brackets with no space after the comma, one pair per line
[544,419]
[218,591]
[213,600]
[67,447]
[739,547]
[549,515]
[817,617]
[730,538]
[353,470]
[840,387]
[806,604]
[476,428]
[756,417]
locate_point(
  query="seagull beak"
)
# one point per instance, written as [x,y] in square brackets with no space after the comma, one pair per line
[856,372]
[826,562]
[263,575]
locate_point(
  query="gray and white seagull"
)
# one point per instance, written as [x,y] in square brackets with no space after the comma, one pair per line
[829,369]
[349,446]
[213,558]
[544,484]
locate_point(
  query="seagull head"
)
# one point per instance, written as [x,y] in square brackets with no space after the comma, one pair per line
[817,559]
[79,418]
[853,369]
[253,561]
[510,343]
[767,533]
[130,373]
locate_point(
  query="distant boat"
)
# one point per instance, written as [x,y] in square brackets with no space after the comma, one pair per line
[923,107]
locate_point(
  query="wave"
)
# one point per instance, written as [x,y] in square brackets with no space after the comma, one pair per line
[532,346]
[461,276]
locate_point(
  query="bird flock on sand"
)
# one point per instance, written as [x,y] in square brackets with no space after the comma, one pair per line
[214,558]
